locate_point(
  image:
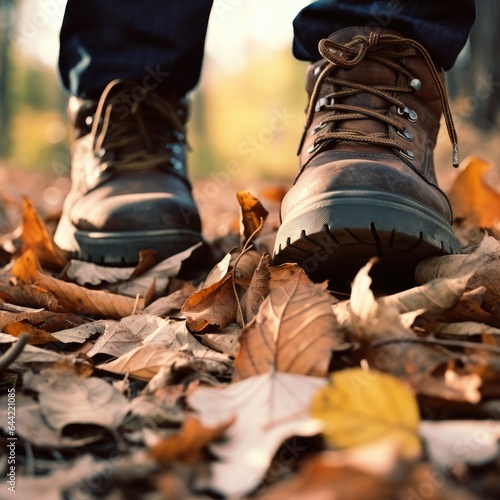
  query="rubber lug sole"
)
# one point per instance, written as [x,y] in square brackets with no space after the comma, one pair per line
[333,238]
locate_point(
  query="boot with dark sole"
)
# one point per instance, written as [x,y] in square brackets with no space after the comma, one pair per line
[130,190]
[366,185]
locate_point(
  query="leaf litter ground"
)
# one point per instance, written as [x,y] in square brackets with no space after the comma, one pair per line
[249,380]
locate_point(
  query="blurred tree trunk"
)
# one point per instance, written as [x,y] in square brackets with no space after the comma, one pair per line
[6,17]
[475,80]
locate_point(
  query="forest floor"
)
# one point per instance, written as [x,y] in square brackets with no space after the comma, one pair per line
[252,381]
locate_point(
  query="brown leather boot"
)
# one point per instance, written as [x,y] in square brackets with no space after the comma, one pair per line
[129,186]
[366,184]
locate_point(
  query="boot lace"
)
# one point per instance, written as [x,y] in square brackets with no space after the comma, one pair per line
[123,127]
[385,49]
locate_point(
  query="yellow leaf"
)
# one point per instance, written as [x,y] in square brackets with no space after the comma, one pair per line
[360,406]
[471,198]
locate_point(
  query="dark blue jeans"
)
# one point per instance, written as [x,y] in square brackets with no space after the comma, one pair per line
[160,42]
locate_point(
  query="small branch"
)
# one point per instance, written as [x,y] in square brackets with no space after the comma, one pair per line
[441,342]
[14,351]
[245,248]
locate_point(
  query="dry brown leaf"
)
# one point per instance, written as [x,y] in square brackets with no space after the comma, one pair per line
[437,296]
[464,330]
[483,264]
[253,214]
[35,296]
[257,290]
[48,320]
[187,445]
[37,335]
[215,305]
[473,201]
[342,476]
[72,297]
[171,305]
[68,399]
[225,341]
[451,387]
[294,331]
[36,237]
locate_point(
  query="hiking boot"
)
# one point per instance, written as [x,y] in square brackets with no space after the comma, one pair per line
[366,185]
[130,190]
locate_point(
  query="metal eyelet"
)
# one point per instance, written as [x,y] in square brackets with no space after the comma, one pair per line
[316,129]
[312,149]
[323,102]
[409,114]
[405,134]
[409,154]
[176,164]
[177,149]
[416,84]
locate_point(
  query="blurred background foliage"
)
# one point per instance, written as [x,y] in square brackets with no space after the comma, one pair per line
[250,82]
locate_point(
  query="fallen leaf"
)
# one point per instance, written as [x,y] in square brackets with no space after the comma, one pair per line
[253,214]
[369,319]
[171,305]
[437,296]
[37,238]
[167,344]
[33,428]
[225,341]
[144,361]
[37,335]
[362,472]
[69,399]
[268,408]
[472,200]
[361,406]
[187,445]
[483,264]
[215,305]
[72,297]
[294,331]
[449,442]
[257,290]
[464,330]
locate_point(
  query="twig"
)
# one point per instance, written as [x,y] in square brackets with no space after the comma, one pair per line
[14,351]
[442,342]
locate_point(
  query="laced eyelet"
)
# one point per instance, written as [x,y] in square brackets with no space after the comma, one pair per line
[316,129]
[323,102]
[409,154]
[406,134]
[416,84]
[312,149]
[408,113]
